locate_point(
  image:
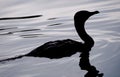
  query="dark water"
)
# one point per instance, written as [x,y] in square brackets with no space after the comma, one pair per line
[23,35]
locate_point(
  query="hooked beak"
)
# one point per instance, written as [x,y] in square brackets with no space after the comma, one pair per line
[95,12]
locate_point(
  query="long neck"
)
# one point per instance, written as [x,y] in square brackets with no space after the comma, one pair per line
[88,41]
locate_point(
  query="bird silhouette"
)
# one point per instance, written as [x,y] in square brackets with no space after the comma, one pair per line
[66,48]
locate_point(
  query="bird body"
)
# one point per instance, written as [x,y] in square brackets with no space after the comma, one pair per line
[57,49]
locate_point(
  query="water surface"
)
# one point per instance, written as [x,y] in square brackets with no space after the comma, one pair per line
[23,35]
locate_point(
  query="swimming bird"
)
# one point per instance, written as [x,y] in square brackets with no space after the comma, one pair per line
[65,48]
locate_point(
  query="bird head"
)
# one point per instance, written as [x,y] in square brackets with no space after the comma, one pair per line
[84,15]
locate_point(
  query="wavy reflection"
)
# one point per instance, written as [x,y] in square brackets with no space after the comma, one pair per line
[24,17]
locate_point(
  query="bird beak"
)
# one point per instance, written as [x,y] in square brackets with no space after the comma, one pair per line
[95,12]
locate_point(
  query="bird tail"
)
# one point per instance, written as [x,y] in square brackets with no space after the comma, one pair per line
[12,58]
